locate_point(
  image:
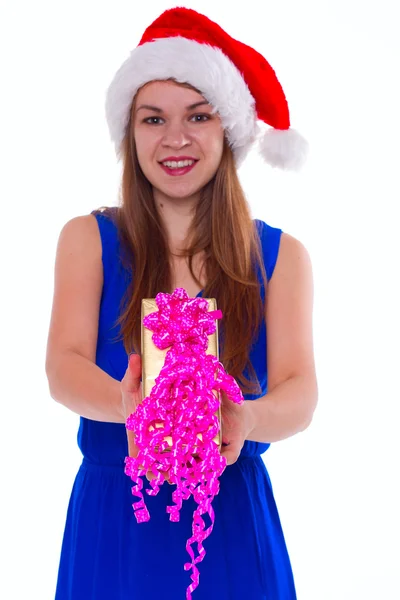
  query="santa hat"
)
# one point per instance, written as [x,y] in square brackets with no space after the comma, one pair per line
[233,77]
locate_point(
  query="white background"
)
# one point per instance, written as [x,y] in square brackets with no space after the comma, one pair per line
[338,61]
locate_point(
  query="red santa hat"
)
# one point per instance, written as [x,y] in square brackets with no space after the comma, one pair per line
[234,78]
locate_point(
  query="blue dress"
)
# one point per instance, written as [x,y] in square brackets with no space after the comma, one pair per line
[107,555]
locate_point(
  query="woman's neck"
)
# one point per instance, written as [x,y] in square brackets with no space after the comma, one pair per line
[176,215]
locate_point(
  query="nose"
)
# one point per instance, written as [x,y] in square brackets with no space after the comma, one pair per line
[176,137]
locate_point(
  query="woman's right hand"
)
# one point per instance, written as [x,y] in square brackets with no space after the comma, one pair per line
[131,390]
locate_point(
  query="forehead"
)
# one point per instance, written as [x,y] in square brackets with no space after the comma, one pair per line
[167,91]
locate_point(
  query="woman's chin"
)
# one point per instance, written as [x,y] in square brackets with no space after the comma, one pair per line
[178,192]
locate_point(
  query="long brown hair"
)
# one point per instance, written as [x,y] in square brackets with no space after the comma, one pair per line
[222,228]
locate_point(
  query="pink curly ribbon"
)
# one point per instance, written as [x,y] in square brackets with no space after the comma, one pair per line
[182,404]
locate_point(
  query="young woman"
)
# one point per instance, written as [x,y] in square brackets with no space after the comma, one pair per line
[183,111]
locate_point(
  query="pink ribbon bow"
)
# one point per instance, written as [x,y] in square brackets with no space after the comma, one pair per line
[182,404]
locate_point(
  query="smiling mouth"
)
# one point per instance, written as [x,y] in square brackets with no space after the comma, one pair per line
[180,167]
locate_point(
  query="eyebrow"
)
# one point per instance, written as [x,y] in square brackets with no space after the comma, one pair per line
[159,110]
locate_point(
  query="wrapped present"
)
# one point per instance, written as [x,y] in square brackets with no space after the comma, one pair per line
[153,359]
[177,424]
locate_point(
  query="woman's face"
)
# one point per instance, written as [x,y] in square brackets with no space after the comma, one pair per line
[172,124]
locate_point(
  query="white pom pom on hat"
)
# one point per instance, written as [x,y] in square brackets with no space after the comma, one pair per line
[234,78]
[285,149]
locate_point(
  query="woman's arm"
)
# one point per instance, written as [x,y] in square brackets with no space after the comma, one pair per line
[285,411]
[74,379]
[292,395]
[80,385]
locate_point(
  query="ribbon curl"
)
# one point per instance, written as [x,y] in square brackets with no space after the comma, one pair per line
[182,405]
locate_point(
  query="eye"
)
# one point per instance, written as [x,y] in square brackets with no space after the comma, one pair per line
[201,117]
[152,120]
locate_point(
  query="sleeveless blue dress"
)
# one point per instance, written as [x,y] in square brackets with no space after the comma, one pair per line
[107,555]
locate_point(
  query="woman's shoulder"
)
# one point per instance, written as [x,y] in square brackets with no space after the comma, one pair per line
[265,228]
[269,235]
[106,212]
[275,236]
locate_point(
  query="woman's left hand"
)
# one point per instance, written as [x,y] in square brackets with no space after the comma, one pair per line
[236,426]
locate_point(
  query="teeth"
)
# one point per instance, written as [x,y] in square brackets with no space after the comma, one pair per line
[178,165]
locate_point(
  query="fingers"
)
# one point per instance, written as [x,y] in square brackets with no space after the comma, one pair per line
[129,385]
[133,451]
[133,374]
[231,452]
[150,476]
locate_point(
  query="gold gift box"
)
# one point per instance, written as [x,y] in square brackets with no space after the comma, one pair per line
[153,358]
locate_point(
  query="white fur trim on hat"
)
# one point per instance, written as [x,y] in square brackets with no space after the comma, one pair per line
[187,61]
